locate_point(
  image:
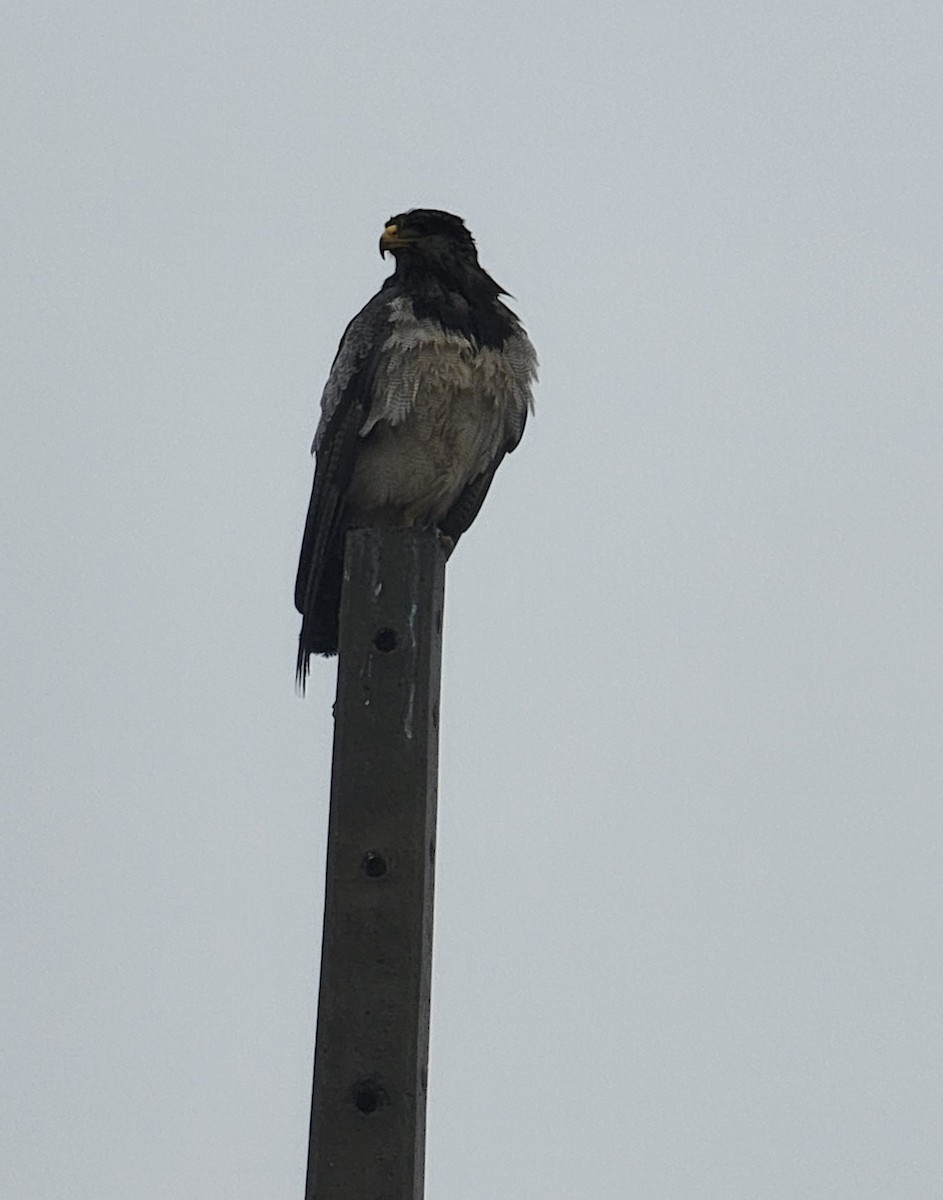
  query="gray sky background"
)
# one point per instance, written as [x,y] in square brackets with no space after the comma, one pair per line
[689,914]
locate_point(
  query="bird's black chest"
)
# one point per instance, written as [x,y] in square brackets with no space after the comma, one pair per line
[477,318]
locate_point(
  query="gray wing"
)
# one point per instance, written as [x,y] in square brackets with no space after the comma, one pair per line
[344,405]
[362,341]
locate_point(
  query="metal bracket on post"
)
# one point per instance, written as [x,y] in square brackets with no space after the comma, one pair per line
[368,1107]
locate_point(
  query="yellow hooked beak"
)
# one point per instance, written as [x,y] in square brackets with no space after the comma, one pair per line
[392,240]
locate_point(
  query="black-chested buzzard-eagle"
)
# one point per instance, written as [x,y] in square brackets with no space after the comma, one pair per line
[430,388]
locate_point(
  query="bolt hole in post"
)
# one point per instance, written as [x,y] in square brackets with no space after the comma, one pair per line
[368,1096]
[385,640]
[374,865]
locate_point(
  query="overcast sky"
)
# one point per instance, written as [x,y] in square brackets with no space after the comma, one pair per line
[688,913]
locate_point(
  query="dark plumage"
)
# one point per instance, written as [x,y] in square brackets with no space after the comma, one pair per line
[430,388]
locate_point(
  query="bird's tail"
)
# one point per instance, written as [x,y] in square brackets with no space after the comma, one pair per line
[319,616]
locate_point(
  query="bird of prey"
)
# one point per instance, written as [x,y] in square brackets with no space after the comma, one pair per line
[430,388]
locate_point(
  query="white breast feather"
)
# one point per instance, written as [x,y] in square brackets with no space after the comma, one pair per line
[444,409]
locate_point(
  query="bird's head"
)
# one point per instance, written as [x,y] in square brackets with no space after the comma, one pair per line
[428,237]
